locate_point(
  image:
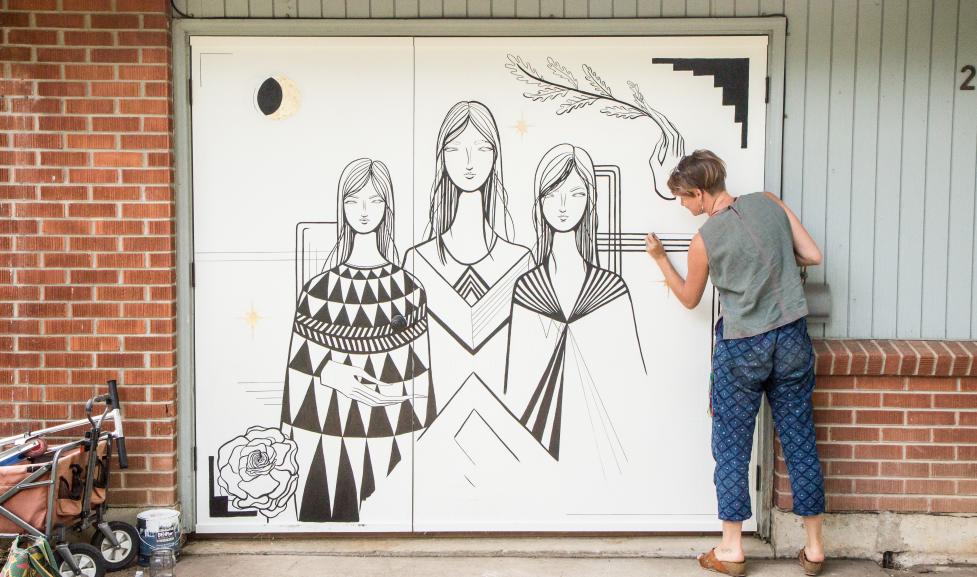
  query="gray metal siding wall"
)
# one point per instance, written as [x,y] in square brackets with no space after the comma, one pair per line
[880,144]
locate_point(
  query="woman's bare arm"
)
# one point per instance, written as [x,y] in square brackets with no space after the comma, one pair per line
[806,251]
[689,290]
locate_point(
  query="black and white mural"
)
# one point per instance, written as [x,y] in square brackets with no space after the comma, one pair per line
[422,300]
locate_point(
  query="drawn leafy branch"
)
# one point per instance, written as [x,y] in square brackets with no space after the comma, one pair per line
[524,71]
[562,71]
[546,93]
[622,112]
[575,101]
[597,82]
[567,88]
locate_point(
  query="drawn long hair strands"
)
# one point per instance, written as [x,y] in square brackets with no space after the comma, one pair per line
[554,168]
[444,193]
[354,178]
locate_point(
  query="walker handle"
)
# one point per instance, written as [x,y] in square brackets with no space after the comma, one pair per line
[120,440]
[114,395]
[120,443]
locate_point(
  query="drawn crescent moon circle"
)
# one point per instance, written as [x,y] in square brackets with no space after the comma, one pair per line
[277,98]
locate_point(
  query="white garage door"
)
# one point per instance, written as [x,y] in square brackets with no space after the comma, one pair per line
[421,295]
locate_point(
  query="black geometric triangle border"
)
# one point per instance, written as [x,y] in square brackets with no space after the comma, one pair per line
[730,74]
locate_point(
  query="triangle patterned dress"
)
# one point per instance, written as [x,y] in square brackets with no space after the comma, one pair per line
[374,319]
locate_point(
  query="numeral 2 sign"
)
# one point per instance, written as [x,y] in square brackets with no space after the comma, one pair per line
[968,81]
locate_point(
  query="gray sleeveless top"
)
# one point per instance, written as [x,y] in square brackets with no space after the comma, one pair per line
[751,261]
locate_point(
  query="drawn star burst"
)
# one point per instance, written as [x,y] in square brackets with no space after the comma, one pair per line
[251,318]
[521,126]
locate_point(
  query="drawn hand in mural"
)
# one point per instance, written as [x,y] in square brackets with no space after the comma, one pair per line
[356,384]
[664,157]
[567,89]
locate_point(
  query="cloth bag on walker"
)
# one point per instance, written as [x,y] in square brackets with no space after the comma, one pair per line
[30,557]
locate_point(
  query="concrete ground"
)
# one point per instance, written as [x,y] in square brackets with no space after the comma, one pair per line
[494,557]
[286,565]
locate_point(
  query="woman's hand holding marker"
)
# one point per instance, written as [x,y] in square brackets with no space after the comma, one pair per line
[654,246]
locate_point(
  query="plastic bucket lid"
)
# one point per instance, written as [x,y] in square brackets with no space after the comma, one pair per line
[153,519]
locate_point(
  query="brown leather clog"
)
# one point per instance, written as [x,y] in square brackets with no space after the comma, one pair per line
[710,562]
[810,567]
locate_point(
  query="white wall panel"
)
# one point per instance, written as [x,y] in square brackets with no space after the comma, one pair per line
[697,8]
[649,8]
[888,181]
[939,155]
[310,8]
[673,8]
[747,7]
[961,285]
[333,8]
[575,8]
[840,132]
[865,147]
[768,7]
[455,8]
[482,8]
[381,8]
[817,110]
[625,8]
[915,129]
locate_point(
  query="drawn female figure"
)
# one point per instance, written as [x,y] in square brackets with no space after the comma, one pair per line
[575,365]
[358,382]
[467,265]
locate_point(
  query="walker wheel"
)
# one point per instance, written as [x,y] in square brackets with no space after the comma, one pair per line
[120,557]
[87,558]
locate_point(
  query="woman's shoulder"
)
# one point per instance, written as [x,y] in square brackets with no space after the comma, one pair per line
[406,279]
[612,281]
[506,250]
[427,249]
[320,283]
[534,276]
[771,207]
[765,199]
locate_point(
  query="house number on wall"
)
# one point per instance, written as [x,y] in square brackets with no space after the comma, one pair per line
[968,81]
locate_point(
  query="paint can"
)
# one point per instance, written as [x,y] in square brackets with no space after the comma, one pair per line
[158,529]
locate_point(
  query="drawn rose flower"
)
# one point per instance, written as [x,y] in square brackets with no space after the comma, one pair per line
[259,470]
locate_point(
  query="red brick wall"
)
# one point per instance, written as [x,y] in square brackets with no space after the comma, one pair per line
[897,426]
[86,237]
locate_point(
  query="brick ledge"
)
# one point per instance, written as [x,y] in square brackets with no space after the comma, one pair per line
[896,357]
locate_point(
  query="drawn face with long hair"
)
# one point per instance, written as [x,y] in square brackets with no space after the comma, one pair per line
[565,204]
[364,209]
[469,158]
[566,191]
[366,204]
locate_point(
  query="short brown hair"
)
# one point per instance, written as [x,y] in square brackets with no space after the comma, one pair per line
[702,169]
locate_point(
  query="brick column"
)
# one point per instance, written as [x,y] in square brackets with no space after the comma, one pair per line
[86,238]
[896,425]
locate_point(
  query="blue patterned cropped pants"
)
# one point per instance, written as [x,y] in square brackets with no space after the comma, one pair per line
[779,363]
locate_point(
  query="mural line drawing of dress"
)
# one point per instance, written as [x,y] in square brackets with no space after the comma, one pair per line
[466,266]
[572,405]
[575,368]
[371,322]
